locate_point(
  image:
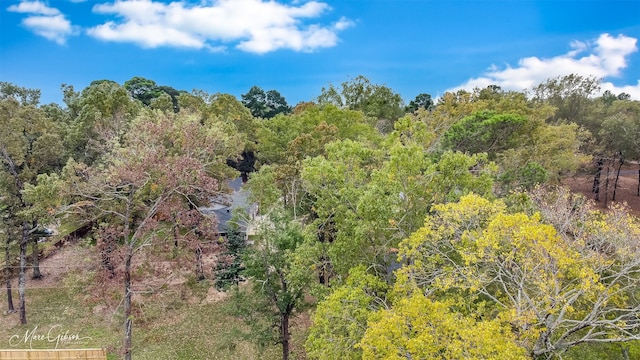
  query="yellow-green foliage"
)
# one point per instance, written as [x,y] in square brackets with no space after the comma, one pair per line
[555,290]
[419,328]
[341,319]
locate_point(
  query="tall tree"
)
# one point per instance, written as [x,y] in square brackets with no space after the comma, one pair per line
[569,94]
[167,166]
[29,144]
[24,95]
[340,320]
[558,285]
[486,132]
[4,231]
[278,284]
[422,101]
[142,89]
[263,104]
[99,116]
[620,129]
[378,102]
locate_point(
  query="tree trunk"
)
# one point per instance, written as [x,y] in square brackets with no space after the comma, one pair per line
[625,352]
[24,241]
[596,179]
[606,188]
[284,332]
[176,232]
[615,184]
[199,265]
[35,254]
[127,303]
[7,274]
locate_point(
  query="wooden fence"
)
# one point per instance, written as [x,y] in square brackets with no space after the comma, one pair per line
[67,354]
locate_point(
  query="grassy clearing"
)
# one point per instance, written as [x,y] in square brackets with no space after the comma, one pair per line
[177,320]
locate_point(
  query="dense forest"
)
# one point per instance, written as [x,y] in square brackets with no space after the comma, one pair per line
[438,228]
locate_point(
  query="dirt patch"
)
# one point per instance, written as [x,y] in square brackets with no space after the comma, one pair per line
[68,258]
[626,190]
[214,296]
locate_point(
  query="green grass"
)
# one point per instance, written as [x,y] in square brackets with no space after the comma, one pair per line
[170,323]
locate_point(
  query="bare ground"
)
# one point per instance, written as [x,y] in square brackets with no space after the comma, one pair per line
[625,192]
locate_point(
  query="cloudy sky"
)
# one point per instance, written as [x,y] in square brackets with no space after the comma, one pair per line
[297,47]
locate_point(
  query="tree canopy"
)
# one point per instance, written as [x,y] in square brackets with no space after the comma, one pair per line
[429,230]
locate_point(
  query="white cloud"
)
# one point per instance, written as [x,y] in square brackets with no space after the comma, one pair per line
[44,20]
[33,7]
[257,26]
[603,58]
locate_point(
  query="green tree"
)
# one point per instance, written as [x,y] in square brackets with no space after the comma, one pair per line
[377,102]
[148,92]
[143,90]
[263,104]
[29,144]
[620,129]
[21,94]
[285,141]
[162,102]
[422,101]
[99,116]
[228,271]
[263,187]
[486,132]
[376,197]
[569,94]
[340,320]
[278,286]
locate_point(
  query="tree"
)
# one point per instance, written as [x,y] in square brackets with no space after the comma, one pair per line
[166,166]
[422,101]
[278,286]
[24,95]
[29,144]
[285,141]
[276,104]
[416,327]
[228,271]
[7,255]
[569,94]
[620,130]
[173,95]
[143,90]
[375,203]
[276,137]
[263,104]
[377,102]
[486,132]
[224,110]
[263,187]
[98,118]
[340,320]
[163,103]
[148,92]
[556,288]
[256,101]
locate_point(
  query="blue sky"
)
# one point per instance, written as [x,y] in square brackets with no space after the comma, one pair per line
[297,47]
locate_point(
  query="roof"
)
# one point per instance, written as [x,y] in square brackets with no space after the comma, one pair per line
[238,199]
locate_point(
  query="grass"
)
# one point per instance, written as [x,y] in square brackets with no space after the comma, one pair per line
[171,322]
